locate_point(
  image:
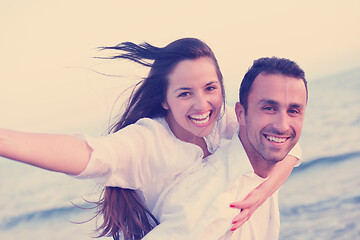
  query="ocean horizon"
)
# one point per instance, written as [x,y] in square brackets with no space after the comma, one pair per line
[320,200]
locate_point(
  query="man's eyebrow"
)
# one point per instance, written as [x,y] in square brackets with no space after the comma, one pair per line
[268,101]
[297,105]
[275,103]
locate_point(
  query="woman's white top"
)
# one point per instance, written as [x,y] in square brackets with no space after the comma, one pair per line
[147,157]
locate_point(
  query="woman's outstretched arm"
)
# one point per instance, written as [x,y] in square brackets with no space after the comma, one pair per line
[257,197]
[55,152]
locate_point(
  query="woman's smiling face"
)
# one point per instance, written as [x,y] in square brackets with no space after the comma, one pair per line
[193,98]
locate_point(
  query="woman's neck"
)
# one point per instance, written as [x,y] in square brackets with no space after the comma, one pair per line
[190,138]
[202,144]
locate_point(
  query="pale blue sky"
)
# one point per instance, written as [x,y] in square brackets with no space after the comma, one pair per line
[46,47]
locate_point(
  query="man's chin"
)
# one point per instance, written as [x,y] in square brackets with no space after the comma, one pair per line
[275,158]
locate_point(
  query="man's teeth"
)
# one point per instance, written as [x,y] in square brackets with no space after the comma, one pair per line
[275,139]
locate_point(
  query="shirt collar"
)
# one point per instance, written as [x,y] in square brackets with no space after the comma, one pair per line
[238,161]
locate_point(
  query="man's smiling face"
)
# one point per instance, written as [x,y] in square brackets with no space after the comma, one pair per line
[274,118]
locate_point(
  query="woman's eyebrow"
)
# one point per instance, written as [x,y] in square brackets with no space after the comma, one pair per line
[188,88]
[211,83]
[182,89]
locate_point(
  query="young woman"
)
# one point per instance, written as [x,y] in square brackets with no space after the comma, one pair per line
[174,118]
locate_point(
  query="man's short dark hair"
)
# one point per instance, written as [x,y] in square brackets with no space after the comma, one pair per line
[268,65]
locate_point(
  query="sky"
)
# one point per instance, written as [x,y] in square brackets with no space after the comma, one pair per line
[48,70]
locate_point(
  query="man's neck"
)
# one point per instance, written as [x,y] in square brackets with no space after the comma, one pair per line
[261,167]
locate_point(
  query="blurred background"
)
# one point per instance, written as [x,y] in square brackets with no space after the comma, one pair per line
[51,82]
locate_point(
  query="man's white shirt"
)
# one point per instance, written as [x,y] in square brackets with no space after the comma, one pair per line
[197,206]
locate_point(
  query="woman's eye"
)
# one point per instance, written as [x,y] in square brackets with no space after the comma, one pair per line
[210,88]
[184,94]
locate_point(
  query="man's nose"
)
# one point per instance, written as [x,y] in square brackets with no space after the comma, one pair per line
[281,122]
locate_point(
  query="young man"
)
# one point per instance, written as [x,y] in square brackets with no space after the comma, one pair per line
[273,98]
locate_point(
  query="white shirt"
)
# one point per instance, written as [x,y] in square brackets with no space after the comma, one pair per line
[147,157]
[197,206]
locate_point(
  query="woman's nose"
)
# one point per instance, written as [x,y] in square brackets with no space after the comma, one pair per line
[200,102]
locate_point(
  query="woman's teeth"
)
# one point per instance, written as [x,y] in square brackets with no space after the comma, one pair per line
[201,118]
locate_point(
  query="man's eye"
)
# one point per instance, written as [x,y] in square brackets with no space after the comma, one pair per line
[294,112]
[268,108]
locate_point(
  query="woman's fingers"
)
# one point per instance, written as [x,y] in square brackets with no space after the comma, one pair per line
[246,203]
[247,207]
[240,219]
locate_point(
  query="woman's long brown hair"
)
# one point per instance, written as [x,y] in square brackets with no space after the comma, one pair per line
[124,212]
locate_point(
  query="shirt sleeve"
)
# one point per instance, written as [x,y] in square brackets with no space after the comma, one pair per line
[228,123]
[296,152]
[223,130]
[128,158]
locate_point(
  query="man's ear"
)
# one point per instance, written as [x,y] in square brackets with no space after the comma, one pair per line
[165,105]
[240,114]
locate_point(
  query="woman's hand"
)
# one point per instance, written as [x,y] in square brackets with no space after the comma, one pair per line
[258,196]
[247,207]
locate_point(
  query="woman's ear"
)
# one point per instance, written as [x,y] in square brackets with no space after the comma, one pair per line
[165,105]
[240,114]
